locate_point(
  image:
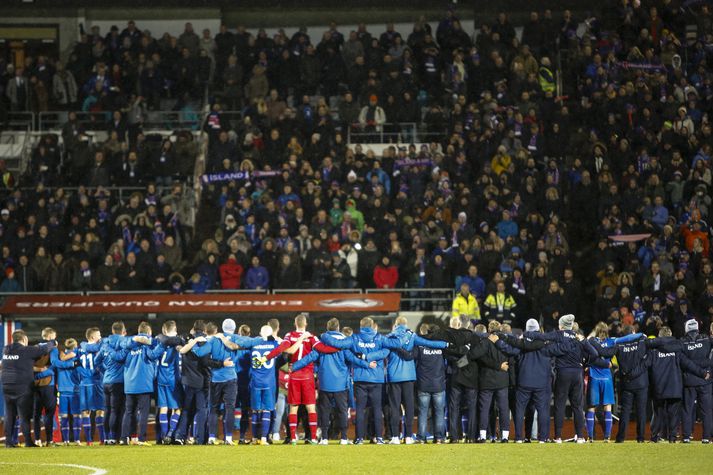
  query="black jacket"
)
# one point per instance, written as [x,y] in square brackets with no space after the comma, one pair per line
[17,361]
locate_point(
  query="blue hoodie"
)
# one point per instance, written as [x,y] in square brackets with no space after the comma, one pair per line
[333,369]
[369,343]
[399,369]
[257,277]
[140,365]
[113,370]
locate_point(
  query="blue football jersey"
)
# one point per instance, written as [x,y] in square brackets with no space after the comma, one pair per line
[602,373]
[263,376]
[169,367]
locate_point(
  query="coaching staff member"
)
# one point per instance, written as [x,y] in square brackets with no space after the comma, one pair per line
[17,380]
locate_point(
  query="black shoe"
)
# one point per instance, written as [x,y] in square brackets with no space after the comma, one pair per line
[453,441]
[167,440]
[11,446]
[504,441]
[179,442]
[480,441]
[527,441]
[31,445]
[617,441]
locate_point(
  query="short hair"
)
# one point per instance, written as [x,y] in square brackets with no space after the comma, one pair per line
[366,322]
[90,332]
[244,330]
[70,343]
[274,324]
[665,331]
[401,320]
[199,326]
[493,326]
[168,326]
[144,327]
[347,331]
[301,320]
[333,324]
[424,328]
[506,328]
[627,330]
[211,328]
[118,327]
[456,322]
[18,335]
[480,328]
[47,331]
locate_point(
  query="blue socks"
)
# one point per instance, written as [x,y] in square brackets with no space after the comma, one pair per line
[64,428]
[590,424]
[607,424]
[174,423]
[87,425]
[238,418]
[77,426]
[266,423]
[463,424]
[163,423]
[99,421]
[254,419]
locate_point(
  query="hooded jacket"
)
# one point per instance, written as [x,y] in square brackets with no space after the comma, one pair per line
[140,363]
[399,369]
[373,346]
[534,359]
[113,370]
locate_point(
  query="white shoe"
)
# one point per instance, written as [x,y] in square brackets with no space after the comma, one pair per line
[324,442]
[276,437]
[395,441]
[409,441]
[345,442]
[558,441]
[581,441]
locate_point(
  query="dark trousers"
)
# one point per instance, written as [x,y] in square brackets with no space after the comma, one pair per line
[691,395]
[195,405]
[485,399]
[540,400]
[18,405]
[329,402]
[458,396]
[223,393]
[45,398]
[114,402]
[629,398]
[401,394]
[568,386]
[137,410]
[368,394]
[667,413]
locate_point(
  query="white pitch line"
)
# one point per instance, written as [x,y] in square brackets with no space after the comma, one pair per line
[93,470]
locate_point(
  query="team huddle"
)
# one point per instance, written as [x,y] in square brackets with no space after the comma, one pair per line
[465,381]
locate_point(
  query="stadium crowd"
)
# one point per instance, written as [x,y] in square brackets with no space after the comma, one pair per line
[482,375]
[544,201]
[595,202]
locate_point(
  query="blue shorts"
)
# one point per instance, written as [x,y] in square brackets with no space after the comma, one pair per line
[262,399]
[601,392]
[169,397]
[91,398]
[69,403]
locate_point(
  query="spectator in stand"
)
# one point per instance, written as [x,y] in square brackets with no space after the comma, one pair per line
[386,275]
[257,277]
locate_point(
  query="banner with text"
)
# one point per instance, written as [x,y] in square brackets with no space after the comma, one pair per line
[203,303]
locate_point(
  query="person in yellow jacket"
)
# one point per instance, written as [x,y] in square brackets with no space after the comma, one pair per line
[499,306]
[465,303]
[546,76]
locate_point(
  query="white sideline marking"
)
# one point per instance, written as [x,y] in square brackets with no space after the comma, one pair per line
[93,470]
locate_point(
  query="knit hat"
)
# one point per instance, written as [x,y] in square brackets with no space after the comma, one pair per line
[566,322]
[229,326]
[691,325]
[532,325]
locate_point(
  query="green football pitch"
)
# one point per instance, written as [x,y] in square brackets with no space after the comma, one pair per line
[628,458]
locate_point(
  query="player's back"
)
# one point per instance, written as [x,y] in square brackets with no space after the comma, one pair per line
[89,375]
[307,344]
[597,372]
[263,376]
[68,379]
[168,367]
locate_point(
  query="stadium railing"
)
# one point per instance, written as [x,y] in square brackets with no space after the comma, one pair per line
[98,121]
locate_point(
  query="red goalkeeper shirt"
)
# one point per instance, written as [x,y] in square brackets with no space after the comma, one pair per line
[308,344]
